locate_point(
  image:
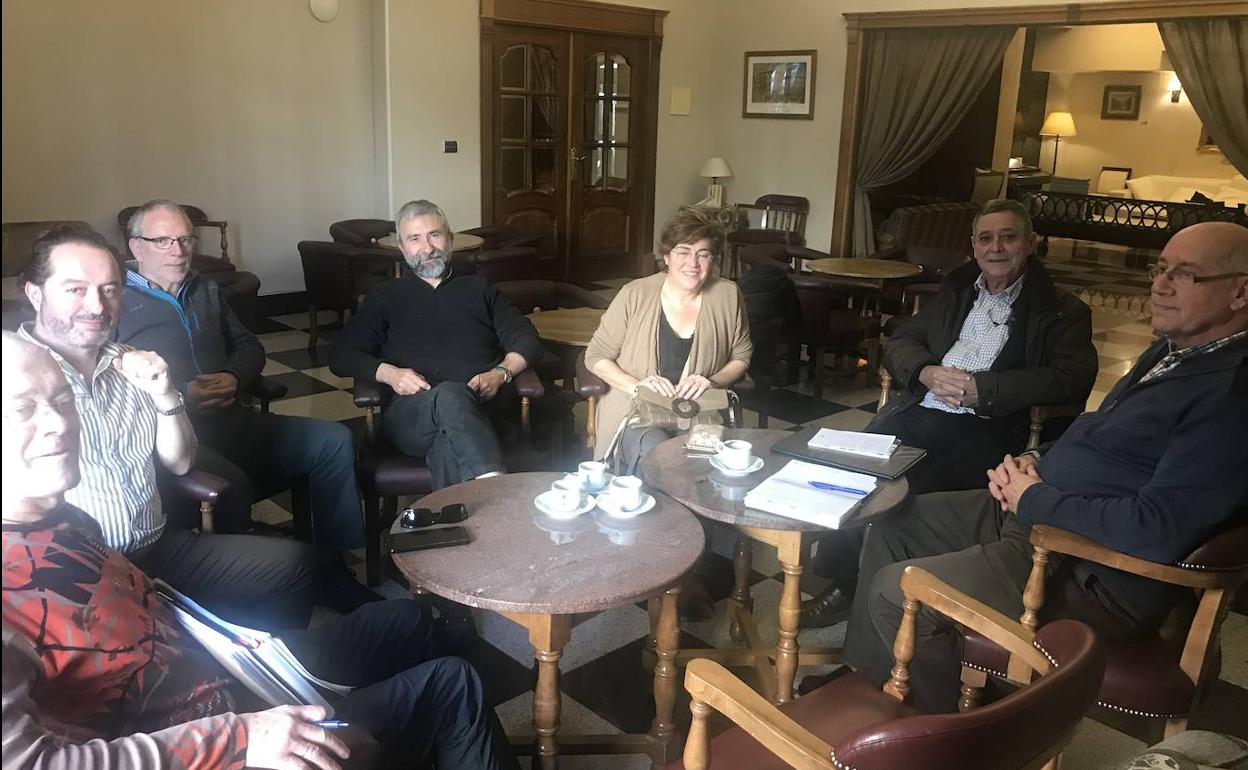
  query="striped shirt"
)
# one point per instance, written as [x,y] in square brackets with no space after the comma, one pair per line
[1176,357]
[117,444]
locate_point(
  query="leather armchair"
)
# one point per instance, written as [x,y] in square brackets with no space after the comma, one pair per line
[384,473]
[360,232]
[509,263]
[1162,677]
[831,324]
[335,275]
[591,387]
[850,723]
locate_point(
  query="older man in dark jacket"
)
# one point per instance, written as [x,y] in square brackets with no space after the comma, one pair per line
[998,338]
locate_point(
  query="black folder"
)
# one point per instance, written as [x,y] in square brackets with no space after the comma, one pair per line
[797,445]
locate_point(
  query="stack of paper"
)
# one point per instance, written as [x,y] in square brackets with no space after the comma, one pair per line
[260,661]
[792,492]
[866,444]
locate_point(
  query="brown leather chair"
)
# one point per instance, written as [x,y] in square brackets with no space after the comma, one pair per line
[384,473]
[850,723]
[830,323]
[335,275]
[1162,677]
[508,263]
[939,225]
[360,232]
[779,219]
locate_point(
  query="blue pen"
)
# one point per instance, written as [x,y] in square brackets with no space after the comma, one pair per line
[333,724]
[825,486]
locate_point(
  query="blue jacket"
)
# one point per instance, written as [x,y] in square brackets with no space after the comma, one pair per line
[1157,470]
[196,332]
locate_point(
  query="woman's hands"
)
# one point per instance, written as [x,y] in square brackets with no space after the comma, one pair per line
[691,387]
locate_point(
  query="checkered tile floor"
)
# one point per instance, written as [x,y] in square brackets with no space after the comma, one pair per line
[604,688]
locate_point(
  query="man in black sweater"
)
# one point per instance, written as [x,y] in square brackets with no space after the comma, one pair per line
[447,344]
[1154,472]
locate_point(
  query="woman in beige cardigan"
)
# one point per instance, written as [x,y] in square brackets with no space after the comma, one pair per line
[677,332]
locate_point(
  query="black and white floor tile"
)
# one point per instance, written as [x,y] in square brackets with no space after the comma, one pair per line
[605,688]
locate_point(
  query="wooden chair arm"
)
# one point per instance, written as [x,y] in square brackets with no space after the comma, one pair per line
[1039,413]
[922,586]
[1061,541]
[712,684]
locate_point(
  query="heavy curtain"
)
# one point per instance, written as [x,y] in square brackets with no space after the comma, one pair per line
[917,87]
[1210,56]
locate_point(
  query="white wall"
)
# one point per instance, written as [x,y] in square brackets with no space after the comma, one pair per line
[253,111]
[1162,141]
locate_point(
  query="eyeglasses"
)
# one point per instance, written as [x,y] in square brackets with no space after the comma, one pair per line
[683,255]
[165,242]
[1184,276]
[411,518]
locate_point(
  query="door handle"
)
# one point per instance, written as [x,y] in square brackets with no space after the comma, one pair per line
[574,164]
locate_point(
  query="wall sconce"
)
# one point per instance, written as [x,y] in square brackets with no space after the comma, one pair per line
[1175,88]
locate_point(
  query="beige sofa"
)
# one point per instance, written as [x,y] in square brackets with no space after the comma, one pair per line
[1232,190]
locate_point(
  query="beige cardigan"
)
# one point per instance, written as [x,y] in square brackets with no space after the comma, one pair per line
[629,335]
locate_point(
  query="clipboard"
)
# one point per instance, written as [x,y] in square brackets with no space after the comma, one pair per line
[797,445]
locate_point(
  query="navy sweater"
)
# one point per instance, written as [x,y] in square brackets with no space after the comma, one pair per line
[1154,472]
[196,332]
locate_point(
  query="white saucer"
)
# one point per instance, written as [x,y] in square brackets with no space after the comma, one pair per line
[543,503]
[592,489]
[612,508]
[724,469]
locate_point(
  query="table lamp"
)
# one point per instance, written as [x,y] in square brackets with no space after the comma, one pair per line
[1057,125]
[715,169]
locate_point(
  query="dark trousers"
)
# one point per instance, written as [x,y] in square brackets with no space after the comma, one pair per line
[451,428]
[966,540]
[961,448]
[425,710]
[259,582]
[261,454]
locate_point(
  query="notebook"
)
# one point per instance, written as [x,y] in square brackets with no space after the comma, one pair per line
[790,492]
[798,445]
[876,445]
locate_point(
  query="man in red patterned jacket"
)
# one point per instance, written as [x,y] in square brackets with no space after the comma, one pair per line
[97,673]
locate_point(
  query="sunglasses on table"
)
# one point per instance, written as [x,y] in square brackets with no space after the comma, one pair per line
[413,518]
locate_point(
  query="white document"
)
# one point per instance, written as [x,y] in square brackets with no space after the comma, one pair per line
[259,660]
[866,444]
[790,492]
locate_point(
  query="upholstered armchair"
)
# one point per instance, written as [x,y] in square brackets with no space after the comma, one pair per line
[1161,677]
[851,723]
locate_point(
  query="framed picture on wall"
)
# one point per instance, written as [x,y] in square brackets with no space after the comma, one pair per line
[779,84]
[1121,103]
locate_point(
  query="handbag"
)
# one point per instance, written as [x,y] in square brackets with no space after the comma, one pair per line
[653,410]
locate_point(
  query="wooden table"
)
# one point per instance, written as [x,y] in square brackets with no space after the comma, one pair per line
[878,270]
[548,576]
[459,242]
[712,495]
[567,326]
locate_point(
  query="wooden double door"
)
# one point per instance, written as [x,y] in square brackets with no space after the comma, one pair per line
[569,125]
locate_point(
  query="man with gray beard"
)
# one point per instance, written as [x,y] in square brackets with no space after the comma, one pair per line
[448,345]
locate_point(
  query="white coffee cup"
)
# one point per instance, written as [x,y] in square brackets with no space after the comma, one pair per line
[593,474]
[566,494]
[625,492]
[736,454]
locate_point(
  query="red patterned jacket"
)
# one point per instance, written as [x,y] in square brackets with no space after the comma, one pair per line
[96,672]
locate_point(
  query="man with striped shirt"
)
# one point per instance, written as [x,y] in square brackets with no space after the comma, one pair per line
[132,417]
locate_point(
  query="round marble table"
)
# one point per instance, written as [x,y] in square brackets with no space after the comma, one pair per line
[541,573]
[567,326]
[707,492]
[879,270]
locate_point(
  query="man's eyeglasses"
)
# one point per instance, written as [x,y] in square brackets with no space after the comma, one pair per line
[412,518]
[1184,276]
[165,242]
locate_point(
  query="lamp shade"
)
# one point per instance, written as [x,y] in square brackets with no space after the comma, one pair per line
[716,168]
[1058,124]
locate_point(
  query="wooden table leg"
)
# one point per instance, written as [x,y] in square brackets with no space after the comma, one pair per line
[666,673]
[789,552]
[742,557]
[548,635]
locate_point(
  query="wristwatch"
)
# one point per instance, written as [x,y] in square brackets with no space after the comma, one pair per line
[179,409]
[507,375]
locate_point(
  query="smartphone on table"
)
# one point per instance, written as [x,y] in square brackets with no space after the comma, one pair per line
[424,539]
